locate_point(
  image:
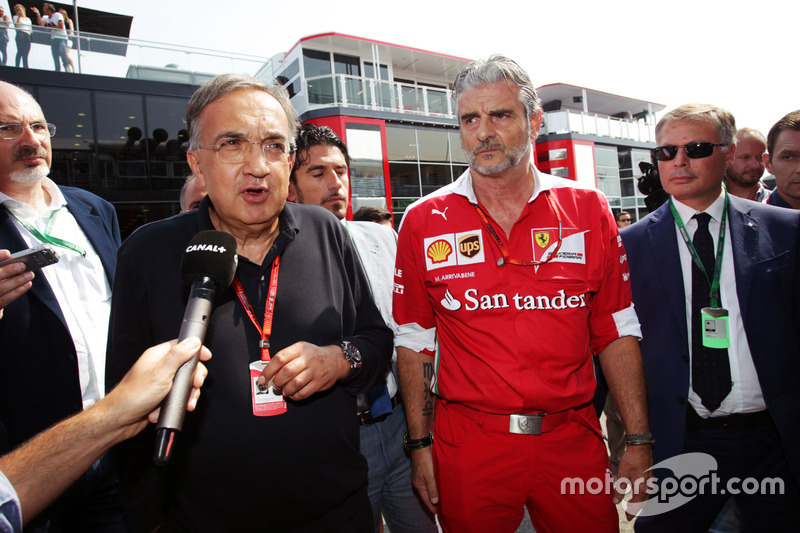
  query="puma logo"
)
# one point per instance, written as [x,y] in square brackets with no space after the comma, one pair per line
[437,212]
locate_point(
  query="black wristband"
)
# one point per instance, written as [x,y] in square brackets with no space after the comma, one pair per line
[417,444]
[640,439]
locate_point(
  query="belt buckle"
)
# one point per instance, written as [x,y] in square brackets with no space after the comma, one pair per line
[525,424]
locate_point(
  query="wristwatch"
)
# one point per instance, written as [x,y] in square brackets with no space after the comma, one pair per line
[352,354]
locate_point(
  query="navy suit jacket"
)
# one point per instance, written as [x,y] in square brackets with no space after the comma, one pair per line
[766,257]
[39,383]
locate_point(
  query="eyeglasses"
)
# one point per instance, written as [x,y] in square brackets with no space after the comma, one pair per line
[42,130]
[625,220]
[238,150]
[697,150]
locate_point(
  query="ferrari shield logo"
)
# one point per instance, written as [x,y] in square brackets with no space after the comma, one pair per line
[542,238]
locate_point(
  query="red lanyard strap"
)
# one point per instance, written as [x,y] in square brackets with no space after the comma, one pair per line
[269,308]
[502,247]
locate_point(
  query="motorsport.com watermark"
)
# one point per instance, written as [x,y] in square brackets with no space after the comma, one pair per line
[693,474]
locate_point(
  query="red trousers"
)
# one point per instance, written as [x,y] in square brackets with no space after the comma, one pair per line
[486,475]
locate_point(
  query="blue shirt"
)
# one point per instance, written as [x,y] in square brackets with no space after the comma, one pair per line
[10,512]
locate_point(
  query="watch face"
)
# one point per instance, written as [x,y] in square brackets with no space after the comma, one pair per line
[352,354]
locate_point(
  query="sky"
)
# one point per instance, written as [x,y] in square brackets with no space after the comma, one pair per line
[733,54]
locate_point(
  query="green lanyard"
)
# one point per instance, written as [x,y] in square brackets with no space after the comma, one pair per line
[47,237]
[714,284]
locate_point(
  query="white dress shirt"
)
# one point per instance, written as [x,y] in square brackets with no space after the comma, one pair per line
[79,284]
[745,395]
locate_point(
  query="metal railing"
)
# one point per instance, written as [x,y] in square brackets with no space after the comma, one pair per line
[119,57]
[354,91]
[566,121]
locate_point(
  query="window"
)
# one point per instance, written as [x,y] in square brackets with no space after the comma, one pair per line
[316,63]
[343,64]
[167,140]
[401,143]
[120,139]
[369,71]
[73,145]
[366,167]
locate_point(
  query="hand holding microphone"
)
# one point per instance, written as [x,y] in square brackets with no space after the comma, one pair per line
[209,264]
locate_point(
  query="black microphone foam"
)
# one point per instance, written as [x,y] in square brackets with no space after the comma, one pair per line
[210,254]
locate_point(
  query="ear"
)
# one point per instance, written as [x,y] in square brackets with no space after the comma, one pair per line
[767,162]
[292,196]
[193,158]
[536,124]
[730,157]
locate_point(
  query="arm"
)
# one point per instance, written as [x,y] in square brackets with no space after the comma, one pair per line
[416,371]
[44,467]
[622,366]
[39,20]
[14,281]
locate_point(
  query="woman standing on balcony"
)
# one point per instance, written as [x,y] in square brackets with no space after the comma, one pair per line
[5,23]
[70,34]
[23,26]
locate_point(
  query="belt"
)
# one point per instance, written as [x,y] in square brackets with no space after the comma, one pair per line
[365,418]
[734,421]
[523,423]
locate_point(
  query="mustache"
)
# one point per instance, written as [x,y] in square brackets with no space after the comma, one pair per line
[332,195]
[487,145]
[26,152]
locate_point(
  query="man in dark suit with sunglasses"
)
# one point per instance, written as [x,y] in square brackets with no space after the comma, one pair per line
[721,341]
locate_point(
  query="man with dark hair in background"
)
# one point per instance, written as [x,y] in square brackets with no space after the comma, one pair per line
[320,177]
[274,444]
[783,161]
[369,213]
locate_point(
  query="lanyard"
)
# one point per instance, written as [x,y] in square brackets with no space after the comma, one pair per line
[712,283]
[502,247]
[48,237]
[269,308]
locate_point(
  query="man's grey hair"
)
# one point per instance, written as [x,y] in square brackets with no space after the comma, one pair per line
[190,178]
[226,84]
[495,69]
[713,116]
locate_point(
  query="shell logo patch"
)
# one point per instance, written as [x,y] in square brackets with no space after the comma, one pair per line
[453,249]
[439,251]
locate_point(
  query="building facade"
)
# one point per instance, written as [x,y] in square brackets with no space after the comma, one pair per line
[124,138]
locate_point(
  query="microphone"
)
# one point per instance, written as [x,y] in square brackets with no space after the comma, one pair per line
[209,264]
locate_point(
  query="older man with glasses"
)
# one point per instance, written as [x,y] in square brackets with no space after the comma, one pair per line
[274,443]
[716,283]
[54,321]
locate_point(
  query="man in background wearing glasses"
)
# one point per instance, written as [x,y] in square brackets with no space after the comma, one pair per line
[54,321]
[514,279]
[717,290]
[272,449]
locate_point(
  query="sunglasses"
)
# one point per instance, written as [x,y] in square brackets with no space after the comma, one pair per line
[693,150]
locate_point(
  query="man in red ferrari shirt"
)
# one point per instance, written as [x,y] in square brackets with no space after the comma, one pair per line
[507,281]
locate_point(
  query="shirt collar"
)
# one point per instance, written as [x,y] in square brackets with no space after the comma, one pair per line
[715,209]
[463,185]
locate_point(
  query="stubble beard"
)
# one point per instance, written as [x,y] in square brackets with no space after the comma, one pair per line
[30,174]
[513,155]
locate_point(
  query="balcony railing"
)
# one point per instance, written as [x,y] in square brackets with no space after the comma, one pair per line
[103,55]
[353,91]
[604,126]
